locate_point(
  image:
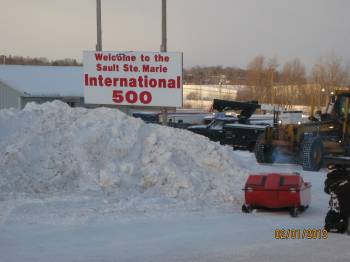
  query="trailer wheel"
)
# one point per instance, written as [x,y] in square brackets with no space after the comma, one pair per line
[303,208]
[263,152]
[294,212]
[246,209]
[312,154]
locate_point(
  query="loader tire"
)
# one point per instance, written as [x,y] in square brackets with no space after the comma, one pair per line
[263,152]
[312,154]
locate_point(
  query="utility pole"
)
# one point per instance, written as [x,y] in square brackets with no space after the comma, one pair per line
[163,48]
[99,27]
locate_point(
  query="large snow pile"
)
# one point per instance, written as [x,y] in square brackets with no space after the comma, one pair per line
[52,149]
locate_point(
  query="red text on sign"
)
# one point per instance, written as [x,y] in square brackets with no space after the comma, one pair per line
[131,97]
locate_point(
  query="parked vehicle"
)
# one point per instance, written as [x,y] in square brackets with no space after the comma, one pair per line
[214,130]
[243,133]
[208,119]
[180,119]
[243,136]
[148,117]
[185,118]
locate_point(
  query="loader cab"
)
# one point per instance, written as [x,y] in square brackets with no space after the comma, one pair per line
[330,105]
[342,106]
[336,108]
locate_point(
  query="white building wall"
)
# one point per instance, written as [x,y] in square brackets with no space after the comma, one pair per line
[9,97]
[201,96]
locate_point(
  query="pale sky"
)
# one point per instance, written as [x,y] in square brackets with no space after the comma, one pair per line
[209,32]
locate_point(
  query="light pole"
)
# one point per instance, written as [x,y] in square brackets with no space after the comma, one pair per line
[99,26]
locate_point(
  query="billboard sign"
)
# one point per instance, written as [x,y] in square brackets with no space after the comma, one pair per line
[133,78]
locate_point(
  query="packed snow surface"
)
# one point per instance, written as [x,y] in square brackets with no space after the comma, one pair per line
[52,150]
[97,185]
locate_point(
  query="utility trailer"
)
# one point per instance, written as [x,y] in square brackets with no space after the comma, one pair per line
[277,191]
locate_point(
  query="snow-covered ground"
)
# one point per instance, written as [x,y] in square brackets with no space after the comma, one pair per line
[96,185]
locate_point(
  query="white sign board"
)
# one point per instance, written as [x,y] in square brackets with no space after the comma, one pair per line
[133,78]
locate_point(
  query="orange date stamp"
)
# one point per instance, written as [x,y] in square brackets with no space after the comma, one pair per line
[295,233]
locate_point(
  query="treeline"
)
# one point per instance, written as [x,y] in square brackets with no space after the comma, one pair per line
[269,82]
[213,75]
[265,79]
[21,60]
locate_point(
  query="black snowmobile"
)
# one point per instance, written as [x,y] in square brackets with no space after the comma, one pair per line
[337,185]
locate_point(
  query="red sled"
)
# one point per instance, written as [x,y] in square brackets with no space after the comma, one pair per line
[277,191]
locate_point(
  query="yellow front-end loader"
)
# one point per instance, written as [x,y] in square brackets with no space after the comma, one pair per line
[311,144]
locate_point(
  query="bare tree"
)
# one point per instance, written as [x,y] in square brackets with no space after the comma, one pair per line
[256,75]
[293,80]
[261,77]
[293,73]
[327,74]
[271,78]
